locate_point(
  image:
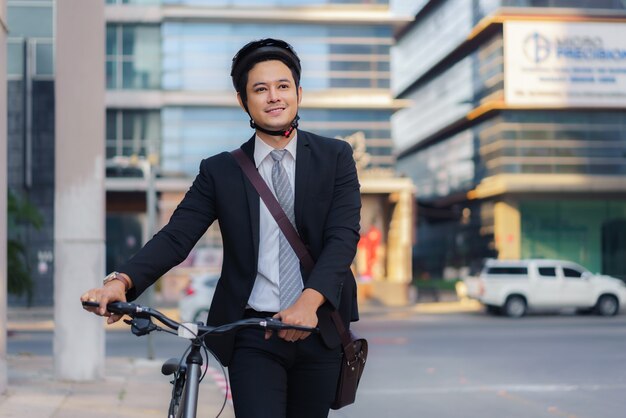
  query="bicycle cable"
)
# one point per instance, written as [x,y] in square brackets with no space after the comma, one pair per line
[208,350]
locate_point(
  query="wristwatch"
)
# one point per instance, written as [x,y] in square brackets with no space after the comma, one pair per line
[117,276]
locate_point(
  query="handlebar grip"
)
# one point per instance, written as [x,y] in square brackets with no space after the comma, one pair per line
[123,308]
[115,307]
[276,325]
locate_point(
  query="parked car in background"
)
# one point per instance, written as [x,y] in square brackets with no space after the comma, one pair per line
[195,303]
[515,286]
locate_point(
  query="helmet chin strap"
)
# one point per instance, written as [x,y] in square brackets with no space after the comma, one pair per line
[283,132]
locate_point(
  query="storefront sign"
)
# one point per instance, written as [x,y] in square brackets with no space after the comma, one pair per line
[579,64]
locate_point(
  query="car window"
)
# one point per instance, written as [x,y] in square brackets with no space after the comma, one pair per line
[507,271]
[547,272]
[572,273]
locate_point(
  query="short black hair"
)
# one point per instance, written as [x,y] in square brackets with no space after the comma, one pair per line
[258,51]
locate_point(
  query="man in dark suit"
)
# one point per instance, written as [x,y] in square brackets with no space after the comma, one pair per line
[291,374]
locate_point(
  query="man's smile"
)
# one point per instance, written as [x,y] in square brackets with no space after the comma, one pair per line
[275,110]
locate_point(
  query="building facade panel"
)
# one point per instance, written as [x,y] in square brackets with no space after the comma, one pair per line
[436,35]
[451,95]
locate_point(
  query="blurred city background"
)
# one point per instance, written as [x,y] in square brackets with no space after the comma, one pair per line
[481,129]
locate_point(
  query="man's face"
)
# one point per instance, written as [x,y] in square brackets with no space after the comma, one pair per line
[273,97]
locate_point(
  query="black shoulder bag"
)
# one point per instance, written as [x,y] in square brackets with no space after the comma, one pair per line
[354,348]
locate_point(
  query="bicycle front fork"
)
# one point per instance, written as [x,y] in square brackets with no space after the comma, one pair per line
[190,395]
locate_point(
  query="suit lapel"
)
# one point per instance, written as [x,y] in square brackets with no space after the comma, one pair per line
[303,159]
[253,199]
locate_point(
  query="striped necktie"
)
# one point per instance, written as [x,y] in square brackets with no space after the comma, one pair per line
[290,279]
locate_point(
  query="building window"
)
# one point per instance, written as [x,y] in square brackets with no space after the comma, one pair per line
[197,56]
[193,133]
[554,142]
[444,168]
[32,28]
[133,57]
[133,132]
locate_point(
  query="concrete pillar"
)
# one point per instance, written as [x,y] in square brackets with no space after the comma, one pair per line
[3,198]
[79,209]
[400,238]
[507,230]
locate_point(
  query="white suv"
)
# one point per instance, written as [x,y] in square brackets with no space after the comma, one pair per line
[514,286]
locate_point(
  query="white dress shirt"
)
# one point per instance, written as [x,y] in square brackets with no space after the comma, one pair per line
[265,294]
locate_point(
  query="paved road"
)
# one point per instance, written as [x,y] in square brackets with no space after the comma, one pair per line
[473,365]
[464,365]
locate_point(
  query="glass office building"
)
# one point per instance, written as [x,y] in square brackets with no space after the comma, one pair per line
[30,134]
[169,92]
[516,136]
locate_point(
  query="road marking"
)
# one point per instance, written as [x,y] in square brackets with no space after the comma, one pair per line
[539,388]
[220,381]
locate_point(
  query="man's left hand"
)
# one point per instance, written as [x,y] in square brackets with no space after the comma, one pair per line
[303,312]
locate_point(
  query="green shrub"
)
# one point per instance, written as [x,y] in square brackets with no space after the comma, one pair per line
[21,214]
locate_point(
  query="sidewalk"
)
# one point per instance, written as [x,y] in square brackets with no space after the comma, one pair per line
[131,387]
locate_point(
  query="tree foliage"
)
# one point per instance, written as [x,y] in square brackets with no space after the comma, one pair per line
[21,215]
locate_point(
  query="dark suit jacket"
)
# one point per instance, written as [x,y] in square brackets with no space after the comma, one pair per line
[327,212]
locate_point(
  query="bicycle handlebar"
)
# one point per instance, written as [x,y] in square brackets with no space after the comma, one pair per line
[133,310]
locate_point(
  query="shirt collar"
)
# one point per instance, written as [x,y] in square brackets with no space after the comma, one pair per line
[262,150]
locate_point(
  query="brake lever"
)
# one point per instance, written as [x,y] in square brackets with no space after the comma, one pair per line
[141,326]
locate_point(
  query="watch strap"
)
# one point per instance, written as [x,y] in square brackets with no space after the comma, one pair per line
[117,276]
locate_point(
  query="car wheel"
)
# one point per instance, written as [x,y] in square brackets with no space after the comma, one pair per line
[515,306]
[201,316]
[607,305]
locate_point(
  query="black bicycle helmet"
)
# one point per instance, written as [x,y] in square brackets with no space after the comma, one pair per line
[258,51]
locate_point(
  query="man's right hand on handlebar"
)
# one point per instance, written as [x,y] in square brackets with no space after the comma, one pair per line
[113,291]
